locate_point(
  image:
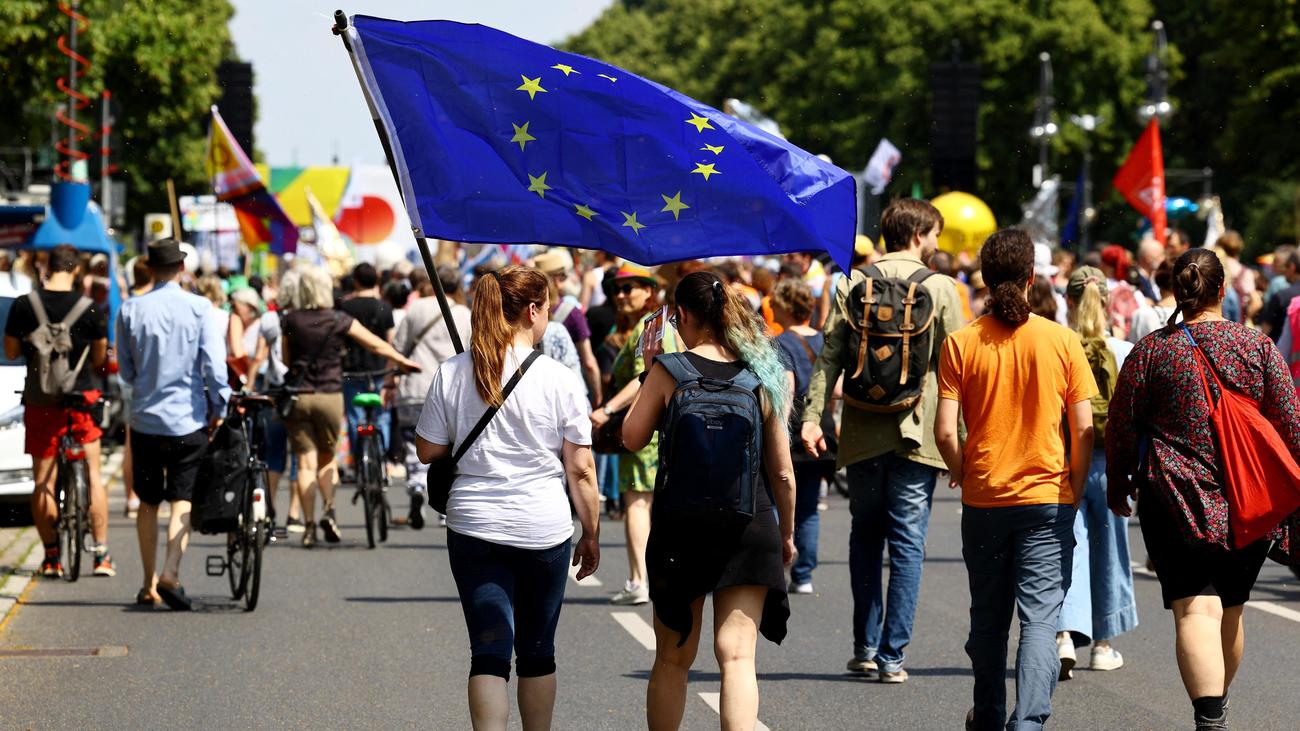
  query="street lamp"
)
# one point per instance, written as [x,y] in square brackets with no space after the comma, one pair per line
[1089,124]
[1044,128]
[1157,104]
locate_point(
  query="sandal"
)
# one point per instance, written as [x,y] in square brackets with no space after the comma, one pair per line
[174,597]
[145,598]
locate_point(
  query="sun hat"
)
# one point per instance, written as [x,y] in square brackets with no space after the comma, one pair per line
[555,261]
[628,270]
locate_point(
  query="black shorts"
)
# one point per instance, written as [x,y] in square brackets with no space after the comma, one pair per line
[1186,570]
[165,468]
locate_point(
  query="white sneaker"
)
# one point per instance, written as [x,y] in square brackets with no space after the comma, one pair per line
[1107,659]
[860,665]
[1065,651]
[631,595]
[800,588]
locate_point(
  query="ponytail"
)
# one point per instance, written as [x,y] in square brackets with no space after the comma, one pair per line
[1007,264]
[500,300]
[1089,317]
[729,316]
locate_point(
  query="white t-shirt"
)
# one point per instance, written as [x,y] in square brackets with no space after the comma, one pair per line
[510,485]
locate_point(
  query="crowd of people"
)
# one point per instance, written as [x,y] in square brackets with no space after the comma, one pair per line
[1052,389]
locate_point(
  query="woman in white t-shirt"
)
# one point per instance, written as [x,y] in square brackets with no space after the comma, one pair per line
[508,518]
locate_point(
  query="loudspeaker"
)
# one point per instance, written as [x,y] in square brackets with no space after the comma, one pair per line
[236,102]
[954,116]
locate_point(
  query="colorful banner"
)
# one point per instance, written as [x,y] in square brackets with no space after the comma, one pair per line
[235,181]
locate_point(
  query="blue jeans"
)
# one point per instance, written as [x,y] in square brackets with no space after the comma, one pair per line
[889,500]
[356,415]
[511,598]
[807,521]
[607,477]
[1100,603]
[1017,556]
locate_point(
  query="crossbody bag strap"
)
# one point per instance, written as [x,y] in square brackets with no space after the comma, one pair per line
[419,337]
[492,410]
[320,348]
[812,356]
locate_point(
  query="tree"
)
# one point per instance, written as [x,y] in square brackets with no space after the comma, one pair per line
[159,59]
[840,74]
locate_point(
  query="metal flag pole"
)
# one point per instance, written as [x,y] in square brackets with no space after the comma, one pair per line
[341,25]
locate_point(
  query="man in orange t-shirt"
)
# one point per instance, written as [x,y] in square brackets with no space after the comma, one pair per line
[1014,377]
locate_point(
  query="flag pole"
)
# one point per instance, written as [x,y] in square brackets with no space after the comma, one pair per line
[341,25]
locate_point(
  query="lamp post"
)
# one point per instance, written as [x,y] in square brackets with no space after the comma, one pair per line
[1157,105]
[1044,128]
[1088,123]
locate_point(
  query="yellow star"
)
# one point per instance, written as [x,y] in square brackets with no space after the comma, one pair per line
[566,69]
[585,212]
[705,170]
[715,149]
[538,185]
[673,204]
[532,86]
[701,123]
[521,135]
[629,220]
[607,76]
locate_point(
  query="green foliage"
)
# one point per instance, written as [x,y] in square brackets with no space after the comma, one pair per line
[157,57]
[840,74]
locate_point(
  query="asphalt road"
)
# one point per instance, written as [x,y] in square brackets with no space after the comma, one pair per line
[358,638]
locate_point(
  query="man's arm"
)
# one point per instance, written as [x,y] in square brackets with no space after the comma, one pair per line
[948,441]
[590,369]
[125,353]
[13,347]
[826,371]
[212,364]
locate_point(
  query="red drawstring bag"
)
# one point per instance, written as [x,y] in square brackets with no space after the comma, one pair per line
[1262,479]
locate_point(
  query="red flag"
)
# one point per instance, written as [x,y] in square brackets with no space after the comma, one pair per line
[1141,180]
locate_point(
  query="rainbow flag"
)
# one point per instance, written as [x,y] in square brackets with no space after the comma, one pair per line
[235,181]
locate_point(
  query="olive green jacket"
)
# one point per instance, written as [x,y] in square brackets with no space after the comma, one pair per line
[864,434]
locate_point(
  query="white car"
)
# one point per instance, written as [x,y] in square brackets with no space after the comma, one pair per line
[16,483]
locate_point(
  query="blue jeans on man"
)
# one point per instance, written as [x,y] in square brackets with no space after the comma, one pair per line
[807,520]
[889,500]
[1017,557]
[357,415]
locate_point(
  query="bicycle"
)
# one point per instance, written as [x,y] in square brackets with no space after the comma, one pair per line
[244,545]
[371,471]
[72,490]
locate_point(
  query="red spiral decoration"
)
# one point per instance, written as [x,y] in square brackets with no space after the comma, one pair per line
[77,101]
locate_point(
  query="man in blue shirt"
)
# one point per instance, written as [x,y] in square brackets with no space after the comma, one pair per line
[172,352]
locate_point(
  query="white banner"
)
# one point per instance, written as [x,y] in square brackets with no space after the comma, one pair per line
[880,169]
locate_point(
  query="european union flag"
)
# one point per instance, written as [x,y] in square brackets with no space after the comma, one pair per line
[501,140]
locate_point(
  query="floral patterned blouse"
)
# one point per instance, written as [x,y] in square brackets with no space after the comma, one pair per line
[1160,397]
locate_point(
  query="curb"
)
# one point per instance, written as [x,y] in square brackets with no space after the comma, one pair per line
[22,560]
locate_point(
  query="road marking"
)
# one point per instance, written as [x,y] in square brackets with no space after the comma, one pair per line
[1260,604]
[38,652]
[714,701]
[637,627]
[589,581]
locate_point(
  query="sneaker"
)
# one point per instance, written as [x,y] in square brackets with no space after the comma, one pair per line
[893,677]
[293,525]
[415,516]
[970,720]
[1211,724]
[279,532]
[104,565]
[861,665]
[797,588]
[1065,651]
[51,566]
[631,595]
[1107,659]
[330,527]
[132,508]
[308,535]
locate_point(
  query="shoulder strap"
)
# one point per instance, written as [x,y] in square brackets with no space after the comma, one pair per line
[77,310]
[812,356]
[415,342]
[492,410]
[566,307]
[678,367]
[38,308]
[320,347]
[920,275]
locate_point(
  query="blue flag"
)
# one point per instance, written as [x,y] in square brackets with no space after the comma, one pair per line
[1070,232]
[501,140]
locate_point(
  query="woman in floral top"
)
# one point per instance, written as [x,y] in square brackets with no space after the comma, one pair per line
[1160,408]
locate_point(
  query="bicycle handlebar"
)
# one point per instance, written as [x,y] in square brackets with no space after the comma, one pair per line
[364,375]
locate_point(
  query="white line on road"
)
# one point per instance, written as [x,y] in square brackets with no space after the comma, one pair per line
[714,701]
[1260,604]
[637,627]
[589,581]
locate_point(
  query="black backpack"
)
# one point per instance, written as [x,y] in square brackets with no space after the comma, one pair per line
[888,348]
[219,486]
[710,446]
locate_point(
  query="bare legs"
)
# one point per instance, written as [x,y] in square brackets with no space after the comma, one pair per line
[98,494]
[489,702]
[636,527]
[1210,642]
[737,612]
[178,539]
[45,509]
[295,499]
[315,469]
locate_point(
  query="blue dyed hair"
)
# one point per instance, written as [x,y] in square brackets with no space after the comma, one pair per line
[728,314]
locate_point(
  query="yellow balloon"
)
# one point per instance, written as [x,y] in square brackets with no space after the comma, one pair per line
[967,221]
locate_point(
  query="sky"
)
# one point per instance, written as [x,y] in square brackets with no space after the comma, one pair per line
[309,105]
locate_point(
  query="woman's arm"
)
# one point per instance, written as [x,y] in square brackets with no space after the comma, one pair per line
[426,451]
[617,403]
[580,468]
[235,336]
[380,347]
[647,409]
[780,477]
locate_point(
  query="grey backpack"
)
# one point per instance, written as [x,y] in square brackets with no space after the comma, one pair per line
[51,374]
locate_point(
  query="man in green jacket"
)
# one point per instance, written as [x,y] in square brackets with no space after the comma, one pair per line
[892,458]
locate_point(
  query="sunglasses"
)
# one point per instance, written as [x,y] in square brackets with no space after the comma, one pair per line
[625,288]
[672,319]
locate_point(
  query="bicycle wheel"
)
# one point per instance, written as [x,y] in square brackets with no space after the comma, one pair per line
[72,518]
[238,548]
[367,485]
[375,483]
[254,530]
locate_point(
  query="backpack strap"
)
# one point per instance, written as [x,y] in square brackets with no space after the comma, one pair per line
[679,367]
[566,307]
[868,300]
[38,308]
[77,310]
[908,326]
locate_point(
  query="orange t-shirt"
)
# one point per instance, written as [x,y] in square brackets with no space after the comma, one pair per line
[1013,385]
